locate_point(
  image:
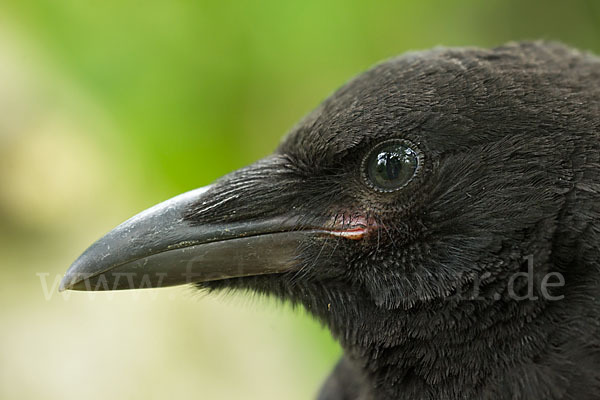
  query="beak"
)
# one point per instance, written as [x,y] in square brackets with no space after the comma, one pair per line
[164,246]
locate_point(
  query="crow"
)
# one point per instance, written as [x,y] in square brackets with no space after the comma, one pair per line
[439,213]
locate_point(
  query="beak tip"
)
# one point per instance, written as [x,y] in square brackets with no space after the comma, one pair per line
[67,282]
[63,285]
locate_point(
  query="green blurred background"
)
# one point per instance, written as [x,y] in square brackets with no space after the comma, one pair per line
[109,107]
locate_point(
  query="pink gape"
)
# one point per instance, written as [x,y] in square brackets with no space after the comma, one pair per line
[351,226]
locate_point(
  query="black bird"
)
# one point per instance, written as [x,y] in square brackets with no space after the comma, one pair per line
[440,213]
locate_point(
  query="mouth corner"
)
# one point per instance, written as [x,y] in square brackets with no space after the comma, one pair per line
[351,226]
[352,234]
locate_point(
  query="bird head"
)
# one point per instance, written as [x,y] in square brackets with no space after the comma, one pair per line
[426,174]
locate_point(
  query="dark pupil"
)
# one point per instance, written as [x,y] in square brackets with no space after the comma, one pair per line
[393,166]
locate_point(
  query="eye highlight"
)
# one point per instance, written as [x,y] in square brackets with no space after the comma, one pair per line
[390,165]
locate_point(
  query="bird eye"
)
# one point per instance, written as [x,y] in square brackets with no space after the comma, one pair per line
[390,166]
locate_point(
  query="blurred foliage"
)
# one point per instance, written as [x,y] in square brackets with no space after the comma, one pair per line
[109,107]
